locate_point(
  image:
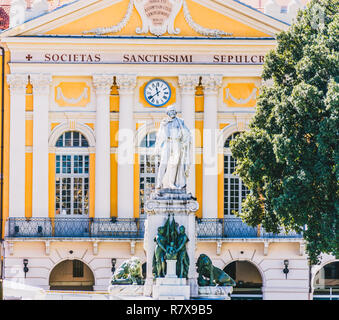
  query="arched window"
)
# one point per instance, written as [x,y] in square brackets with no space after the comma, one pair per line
[72,175]
[234,190]
[148,169]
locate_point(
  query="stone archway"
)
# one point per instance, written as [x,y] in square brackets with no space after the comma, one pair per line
[248,278]
[326,282]
[71,275]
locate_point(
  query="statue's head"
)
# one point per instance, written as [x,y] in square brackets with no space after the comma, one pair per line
[160,230]
[203,261]
[135,267]
[182,229]
[171,111]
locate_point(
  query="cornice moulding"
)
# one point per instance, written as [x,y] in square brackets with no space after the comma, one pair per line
[79,9]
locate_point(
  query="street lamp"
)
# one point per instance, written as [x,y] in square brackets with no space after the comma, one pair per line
[114,261]
[25,262]
[286,270]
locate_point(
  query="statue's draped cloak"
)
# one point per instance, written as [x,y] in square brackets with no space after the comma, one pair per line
[174,141]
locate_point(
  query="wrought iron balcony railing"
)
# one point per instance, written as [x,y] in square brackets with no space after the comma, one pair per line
[76,228]
[235,228]
[118,228]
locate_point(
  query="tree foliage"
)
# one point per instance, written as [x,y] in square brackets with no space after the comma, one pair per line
[290,156]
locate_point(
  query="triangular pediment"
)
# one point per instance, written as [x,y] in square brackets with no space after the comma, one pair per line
[179,18]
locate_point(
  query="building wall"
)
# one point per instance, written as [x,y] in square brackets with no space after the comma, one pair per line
[269,265]
[58,96]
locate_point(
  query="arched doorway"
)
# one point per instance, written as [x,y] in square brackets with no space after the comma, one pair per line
[248,279]
[326,282]
[71,275]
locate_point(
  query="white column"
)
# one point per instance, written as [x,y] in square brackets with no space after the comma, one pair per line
[211,84]
[41,88]
[17,83]
[126,85]
[187,85]
[102,84]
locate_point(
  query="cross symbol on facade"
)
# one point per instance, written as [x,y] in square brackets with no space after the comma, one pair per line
[29,57]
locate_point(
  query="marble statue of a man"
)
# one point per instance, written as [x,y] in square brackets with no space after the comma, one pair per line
[173,145]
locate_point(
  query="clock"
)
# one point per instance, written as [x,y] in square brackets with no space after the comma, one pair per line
[157,92]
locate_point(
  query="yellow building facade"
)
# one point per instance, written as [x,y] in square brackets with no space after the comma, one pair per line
[80,127]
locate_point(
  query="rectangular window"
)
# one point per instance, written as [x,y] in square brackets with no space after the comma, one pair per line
[148,173]
[76,139]
[78,269]
[72,184]
[234,190]
[68,139]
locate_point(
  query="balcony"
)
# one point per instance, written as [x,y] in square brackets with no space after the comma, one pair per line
[234,228]
[76,228]
[117,228]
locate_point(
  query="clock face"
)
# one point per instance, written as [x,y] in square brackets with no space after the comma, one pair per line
[157,92]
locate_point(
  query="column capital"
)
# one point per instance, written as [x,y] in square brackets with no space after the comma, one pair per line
[126,83]
[17,82]
[188,82]
[102,83]
[41,82]
[211,83]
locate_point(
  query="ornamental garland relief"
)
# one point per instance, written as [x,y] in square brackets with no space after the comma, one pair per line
[72,94]
[158,18]
[240,94]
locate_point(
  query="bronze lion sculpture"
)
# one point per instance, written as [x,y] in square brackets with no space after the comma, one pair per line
[210,275]
[130,272]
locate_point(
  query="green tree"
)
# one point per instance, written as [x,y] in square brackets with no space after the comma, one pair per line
[290,156]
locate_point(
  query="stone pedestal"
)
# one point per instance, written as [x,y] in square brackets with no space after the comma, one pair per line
[171,269]
[118,292]
[217,293]
[171,289]
[182,207]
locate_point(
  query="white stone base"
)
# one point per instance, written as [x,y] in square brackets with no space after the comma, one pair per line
[172,298]
[171,281]
[171,292]
[116,291]
[171,288]
[157,214]
[222,293]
